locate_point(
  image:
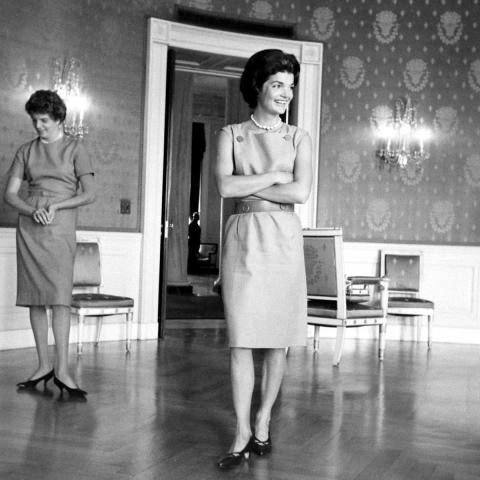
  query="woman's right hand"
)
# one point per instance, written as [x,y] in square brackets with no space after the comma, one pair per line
[41,216]
[284,177]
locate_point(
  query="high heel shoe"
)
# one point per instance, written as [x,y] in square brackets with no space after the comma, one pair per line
[29,384]
[73,392]
[262,448]
[234,459]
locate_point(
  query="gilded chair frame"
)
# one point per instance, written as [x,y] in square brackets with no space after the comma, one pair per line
[409,311]
[342,320]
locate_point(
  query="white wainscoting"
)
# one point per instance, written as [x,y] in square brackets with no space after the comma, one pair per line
[451,280]
[121,276]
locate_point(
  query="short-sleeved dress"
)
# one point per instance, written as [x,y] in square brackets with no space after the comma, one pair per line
[45,253]
[263,267]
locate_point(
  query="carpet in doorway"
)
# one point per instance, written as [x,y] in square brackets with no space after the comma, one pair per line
[194,306]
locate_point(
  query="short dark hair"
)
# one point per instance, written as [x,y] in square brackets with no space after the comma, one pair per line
[262,65]
[47,101]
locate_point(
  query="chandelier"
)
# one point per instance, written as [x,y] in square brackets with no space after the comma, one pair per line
[402,140]
[66,82]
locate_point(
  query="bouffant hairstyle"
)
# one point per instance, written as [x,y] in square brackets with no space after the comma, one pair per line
[260,66]
[47,101]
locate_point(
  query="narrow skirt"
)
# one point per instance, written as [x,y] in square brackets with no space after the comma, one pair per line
[263,280]
[45,255]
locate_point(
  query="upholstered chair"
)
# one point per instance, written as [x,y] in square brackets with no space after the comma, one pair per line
[328,303]
[87,301]
[405,271]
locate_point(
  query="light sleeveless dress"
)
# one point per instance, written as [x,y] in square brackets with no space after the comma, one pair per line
[45,253]
[263,268]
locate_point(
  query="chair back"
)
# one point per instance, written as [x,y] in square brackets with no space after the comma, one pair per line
[207,249]
[404,269]
[86,268]
[323,249]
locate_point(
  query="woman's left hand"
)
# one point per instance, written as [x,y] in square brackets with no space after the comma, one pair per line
[51,213]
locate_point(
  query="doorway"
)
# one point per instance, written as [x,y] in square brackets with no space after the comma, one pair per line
[205,81]
[163,35]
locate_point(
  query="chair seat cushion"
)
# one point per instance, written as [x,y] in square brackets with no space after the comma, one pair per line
[328,308]
[100,300]
[409,302]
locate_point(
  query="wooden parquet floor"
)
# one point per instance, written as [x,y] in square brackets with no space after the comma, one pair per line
[164,413]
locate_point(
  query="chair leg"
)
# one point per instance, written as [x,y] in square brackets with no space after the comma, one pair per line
[81,321]
[337,354]
[99,330]
[316,338]
[429,326]
[418,320]
[129,328]
[381,341]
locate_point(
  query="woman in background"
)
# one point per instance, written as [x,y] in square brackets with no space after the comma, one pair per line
[266,165]
[54,166]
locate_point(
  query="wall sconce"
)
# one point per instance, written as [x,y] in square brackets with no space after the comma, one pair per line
[403,142]
[66,82]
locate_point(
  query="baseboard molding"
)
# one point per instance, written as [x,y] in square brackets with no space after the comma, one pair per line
[147,331]
[15,339]
[407,333]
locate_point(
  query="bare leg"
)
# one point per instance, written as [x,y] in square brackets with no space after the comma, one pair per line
[39,323]
[273,370]
[61,332]
[243,380]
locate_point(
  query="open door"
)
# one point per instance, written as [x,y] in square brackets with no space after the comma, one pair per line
[166,225]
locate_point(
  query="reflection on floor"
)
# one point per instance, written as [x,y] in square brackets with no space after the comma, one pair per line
[165,412]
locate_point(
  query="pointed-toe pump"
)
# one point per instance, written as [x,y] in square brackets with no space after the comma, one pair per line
[234,459]
[262,448]
[29,384]
[73,392]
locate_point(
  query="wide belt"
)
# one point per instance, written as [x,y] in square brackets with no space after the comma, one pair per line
[38,192]
[41,193]
[250,206]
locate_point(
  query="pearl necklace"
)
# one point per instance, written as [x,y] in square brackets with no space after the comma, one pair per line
[266,127]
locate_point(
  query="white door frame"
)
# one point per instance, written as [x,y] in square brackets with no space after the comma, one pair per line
[163,35]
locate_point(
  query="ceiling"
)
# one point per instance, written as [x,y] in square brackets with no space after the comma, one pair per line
[210,70]
[209,63]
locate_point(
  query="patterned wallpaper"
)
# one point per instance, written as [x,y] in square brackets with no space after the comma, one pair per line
[375,52]
[108,38]
[379,51]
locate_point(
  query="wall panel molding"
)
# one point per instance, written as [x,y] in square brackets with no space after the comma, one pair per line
[121,253]
[451,280]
